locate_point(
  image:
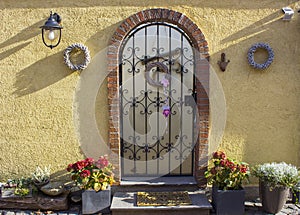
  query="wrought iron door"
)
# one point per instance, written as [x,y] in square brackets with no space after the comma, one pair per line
[157,102]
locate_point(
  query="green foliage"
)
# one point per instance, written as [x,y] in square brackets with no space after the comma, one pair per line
[21,191]
[21,186]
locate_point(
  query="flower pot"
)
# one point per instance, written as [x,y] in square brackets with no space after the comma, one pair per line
[39,185]
[273,199]
[94,202]
[228,202]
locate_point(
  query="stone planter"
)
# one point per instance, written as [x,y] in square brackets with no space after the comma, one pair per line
[94,202]
[39,185]
[228,202]
[273,199]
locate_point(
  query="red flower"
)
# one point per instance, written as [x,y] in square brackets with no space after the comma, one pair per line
[222,162]
[243,169]
[230,164]
[80,165]
[85,173]
[70,167]
[89,161]
[219,155]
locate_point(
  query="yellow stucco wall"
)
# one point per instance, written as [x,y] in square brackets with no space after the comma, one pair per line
[50,115]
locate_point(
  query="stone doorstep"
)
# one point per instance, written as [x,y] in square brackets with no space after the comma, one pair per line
[124,203]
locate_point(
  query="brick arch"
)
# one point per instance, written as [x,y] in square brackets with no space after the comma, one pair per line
[202,82]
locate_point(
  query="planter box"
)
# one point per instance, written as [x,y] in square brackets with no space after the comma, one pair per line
[228,202]
[94,202]
[273,199]
[10,193]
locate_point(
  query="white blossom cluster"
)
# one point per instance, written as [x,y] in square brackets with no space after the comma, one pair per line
[278,174]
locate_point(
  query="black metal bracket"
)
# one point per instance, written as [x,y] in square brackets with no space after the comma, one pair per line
[223,63]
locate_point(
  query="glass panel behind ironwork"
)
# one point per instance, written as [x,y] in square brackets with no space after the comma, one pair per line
[152,144]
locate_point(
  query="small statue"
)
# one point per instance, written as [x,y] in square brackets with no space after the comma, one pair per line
[223,64]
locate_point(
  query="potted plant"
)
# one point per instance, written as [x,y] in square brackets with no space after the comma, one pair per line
[227,175]
[19,187]
[275,181]
[41,177]
[95,178]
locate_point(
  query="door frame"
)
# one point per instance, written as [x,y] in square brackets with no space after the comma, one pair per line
[201,86]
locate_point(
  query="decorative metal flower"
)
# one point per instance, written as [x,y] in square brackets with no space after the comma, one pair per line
[165,82]
[166,110]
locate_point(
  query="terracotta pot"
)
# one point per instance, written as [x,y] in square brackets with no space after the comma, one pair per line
[273,199]
[228,202]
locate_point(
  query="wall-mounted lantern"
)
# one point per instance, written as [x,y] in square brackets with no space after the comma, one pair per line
[51,31]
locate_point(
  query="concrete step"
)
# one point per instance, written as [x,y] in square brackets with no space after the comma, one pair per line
[124,203]
[157,184]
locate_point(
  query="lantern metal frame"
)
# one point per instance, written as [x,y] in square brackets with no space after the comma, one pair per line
[52,24]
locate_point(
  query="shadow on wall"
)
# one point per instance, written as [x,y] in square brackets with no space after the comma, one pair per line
[238,4]
[11,51]
[25,35]
[255,28]
[40,75]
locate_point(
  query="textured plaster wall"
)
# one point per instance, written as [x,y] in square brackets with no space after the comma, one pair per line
[50,115]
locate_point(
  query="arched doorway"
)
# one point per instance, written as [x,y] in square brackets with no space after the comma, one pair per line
[146,47]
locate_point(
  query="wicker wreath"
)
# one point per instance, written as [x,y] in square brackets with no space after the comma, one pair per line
[77,47]
[162,68]
[253,49]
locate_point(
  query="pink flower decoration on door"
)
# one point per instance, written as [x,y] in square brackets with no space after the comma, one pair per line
[166,110]
[165,82]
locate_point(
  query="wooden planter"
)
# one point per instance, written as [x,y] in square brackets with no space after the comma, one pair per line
[273,199]
[228,202]
[94,202]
